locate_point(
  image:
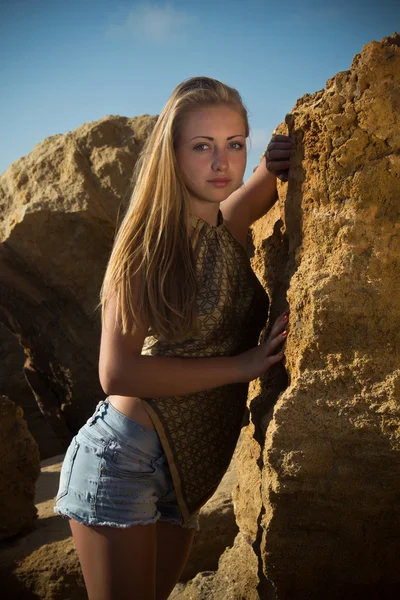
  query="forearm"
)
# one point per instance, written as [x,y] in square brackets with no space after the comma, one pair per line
[261,192]
[157,376]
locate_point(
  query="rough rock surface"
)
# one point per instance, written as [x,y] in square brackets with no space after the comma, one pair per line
[19,470]
[323,456]
[14,385]
[58,211]
[218,528]
[43,563]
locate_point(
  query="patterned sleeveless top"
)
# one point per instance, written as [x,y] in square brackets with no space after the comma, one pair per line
[199,431]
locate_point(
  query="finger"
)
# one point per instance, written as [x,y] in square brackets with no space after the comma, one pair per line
[277,166]
[278,153]
[273,342]
[280,146]
[282,138]
[275,151]
[272,360]
[279,326]
[284,176]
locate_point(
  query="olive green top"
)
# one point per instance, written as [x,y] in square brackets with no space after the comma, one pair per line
[199,431]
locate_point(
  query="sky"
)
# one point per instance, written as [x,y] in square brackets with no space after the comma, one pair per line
[67,62]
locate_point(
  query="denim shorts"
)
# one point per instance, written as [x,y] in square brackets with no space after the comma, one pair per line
[116,473]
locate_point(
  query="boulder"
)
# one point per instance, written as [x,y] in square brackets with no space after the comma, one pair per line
[14,385]
[218,528]
[19,470]
[59,206]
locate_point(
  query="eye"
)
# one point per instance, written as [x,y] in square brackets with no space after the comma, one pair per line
[201,147]
[236,145]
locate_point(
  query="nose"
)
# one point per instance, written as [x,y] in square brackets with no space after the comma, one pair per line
[220,160]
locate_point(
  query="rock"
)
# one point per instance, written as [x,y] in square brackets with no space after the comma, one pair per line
[325,520]
[218,529]
[235,579]
[43,564]
[14,385]
[58,211]
[19,470]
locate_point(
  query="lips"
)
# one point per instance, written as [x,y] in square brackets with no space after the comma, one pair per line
[219,183]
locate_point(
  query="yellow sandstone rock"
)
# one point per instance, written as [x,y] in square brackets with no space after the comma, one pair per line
[316,494]
[19,470]
[329,251]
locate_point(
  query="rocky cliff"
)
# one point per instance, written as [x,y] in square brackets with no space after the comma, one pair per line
[316,497]
[329,525]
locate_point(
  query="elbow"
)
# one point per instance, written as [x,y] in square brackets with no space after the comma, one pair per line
[106,385]
[121,382]
[112,387]
[107,380]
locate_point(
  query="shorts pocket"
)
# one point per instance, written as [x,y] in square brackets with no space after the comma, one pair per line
[92,437]
[66,469]
[126,461]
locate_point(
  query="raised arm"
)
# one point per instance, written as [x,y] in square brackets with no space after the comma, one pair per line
[255,198]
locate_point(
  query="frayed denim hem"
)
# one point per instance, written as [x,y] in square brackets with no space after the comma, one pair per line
[189,525]
[90,521]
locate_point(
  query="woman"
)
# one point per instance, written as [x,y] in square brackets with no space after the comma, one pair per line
[182,312]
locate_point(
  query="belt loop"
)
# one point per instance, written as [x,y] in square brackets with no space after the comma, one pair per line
[92,419]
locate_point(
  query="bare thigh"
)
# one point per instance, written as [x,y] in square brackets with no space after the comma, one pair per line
[173,548]
[117,562]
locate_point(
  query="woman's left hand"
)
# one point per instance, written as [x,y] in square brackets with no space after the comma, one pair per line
[277,156]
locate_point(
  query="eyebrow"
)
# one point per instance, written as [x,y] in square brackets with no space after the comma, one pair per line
[206,137]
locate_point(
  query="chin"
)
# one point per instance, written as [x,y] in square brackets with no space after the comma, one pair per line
[230,190]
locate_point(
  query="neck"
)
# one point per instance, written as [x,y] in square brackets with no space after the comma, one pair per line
[206,211]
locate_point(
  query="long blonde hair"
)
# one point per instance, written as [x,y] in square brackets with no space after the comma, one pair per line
[152,240]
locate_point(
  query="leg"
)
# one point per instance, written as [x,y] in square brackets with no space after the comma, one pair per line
[117,562]
[173,548]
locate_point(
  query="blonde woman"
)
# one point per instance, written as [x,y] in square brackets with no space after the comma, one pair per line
[182,311]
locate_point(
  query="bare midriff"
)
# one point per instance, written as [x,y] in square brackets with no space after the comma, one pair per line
[131,407]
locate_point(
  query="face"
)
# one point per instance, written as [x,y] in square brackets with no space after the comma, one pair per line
[211,152]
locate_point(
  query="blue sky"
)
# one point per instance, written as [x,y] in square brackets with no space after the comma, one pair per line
[67,62]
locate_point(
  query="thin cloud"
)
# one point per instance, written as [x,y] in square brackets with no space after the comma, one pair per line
[155,23]
[310,9]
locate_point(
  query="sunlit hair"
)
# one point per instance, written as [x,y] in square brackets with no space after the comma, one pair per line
[152,240]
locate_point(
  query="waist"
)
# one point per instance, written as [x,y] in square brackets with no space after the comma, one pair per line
[131,407]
